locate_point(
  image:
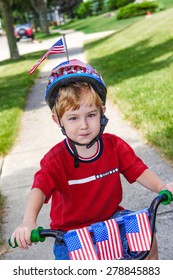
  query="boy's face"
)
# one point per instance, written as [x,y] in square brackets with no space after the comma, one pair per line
[82,125]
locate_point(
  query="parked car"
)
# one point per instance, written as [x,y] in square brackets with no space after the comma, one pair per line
[22,31]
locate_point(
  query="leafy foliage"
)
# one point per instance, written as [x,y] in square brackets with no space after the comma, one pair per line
[115,4]
[67,6]
[136,9]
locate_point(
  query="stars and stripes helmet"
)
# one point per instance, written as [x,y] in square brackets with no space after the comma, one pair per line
[73,71]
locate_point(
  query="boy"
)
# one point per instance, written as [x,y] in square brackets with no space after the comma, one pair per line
[81,174]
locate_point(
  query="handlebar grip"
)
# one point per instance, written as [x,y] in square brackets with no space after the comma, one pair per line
[15,243]
[35,237]
[168,196]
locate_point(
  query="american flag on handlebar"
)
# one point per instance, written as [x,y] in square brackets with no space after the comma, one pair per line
[106,244]
[138,232]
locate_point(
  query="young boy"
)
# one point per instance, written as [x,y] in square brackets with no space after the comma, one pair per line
[82,173]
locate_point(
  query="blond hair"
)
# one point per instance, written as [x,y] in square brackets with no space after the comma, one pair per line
[71,95]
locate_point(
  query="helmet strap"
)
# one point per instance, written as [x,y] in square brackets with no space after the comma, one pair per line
[75,153]
[103,122]
[63,131]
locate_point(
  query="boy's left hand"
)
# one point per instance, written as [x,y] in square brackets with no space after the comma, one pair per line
[168,186]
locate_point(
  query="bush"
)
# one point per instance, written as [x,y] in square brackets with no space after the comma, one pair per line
[84,10]
[136,9]
[115,4]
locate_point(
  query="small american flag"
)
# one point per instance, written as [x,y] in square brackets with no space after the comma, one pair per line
[79,245]
[138,232]
[108,240]
[57,48]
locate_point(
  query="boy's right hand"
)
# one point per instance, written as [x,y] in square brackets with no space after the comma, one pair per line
[22,235]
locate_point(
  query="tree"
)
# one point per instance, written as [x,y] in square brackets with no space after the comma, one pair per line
[40,7]
[5,6]
[84,10]
[36,8]
[24,11]
[68,6]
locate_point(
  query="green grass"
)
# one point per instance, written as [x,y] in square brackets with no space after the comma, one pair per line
[99,23]
[165,3]
[137,66]
[15,85]
[42,36]
[107,21]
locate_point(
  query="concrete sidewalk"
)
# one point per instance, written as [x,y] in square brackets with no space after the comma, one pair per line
[39,133]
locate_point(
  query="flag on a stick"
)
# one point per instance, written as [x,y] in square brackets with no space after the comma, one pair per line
[108,240]
[79,245]
[138,232]
[57,48]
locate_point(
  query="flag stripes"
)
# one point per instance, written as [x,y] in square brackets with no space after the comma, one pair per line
[57,48]
[80,245]
[138,232]
[108,240]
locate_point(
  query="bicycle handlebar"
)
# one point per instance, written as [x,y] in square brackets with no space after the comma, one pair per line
[39,235]
[35,237]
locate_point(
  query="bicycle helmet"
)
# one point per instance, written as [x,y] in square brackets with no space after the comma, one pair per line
[73,71]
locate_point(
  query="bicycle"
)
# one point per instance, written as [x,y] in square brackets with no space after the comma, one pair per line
[165,197]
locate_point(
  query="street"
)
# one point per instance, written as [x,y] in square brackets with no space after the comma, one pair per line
[5,54]
[24,46]
[28,46]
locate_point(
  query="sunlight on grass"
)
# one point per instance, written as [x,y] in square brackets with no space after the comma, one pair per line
[137,66]
[15,84]
[99,23]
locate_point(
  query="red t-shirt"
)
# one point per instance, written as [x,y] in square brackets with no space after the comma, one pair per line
[93,191]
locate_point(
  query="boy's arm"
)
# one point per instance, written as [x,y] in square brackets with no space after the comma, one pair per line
[22,233]
[153,182]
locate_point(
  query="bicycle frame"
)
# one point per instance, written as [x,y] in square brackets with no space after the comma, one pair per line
[164,197]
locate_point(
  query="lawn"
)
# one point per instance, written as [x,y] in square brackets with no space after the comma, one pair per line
[100,23]
[137,65]
[108,21]
[15,85]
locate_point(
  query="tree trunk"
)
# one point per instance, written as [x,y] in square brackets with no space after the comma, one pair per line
[40,6]
[6,13]
[43,17]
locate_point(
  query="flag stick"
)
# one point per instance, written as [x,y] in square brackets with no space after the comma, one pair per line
[65,46]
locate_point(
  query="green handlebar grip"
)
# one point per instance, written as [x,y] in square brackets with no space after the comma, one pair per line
[15,242]
[35,237]
[169,196]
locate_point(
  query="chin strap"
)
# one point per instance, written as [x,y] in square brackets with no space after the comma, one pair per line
[75,154]
[103,122]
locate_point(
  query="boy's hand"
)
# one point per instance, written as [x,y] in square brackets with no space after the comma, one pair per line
[22,235]
[168,186]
